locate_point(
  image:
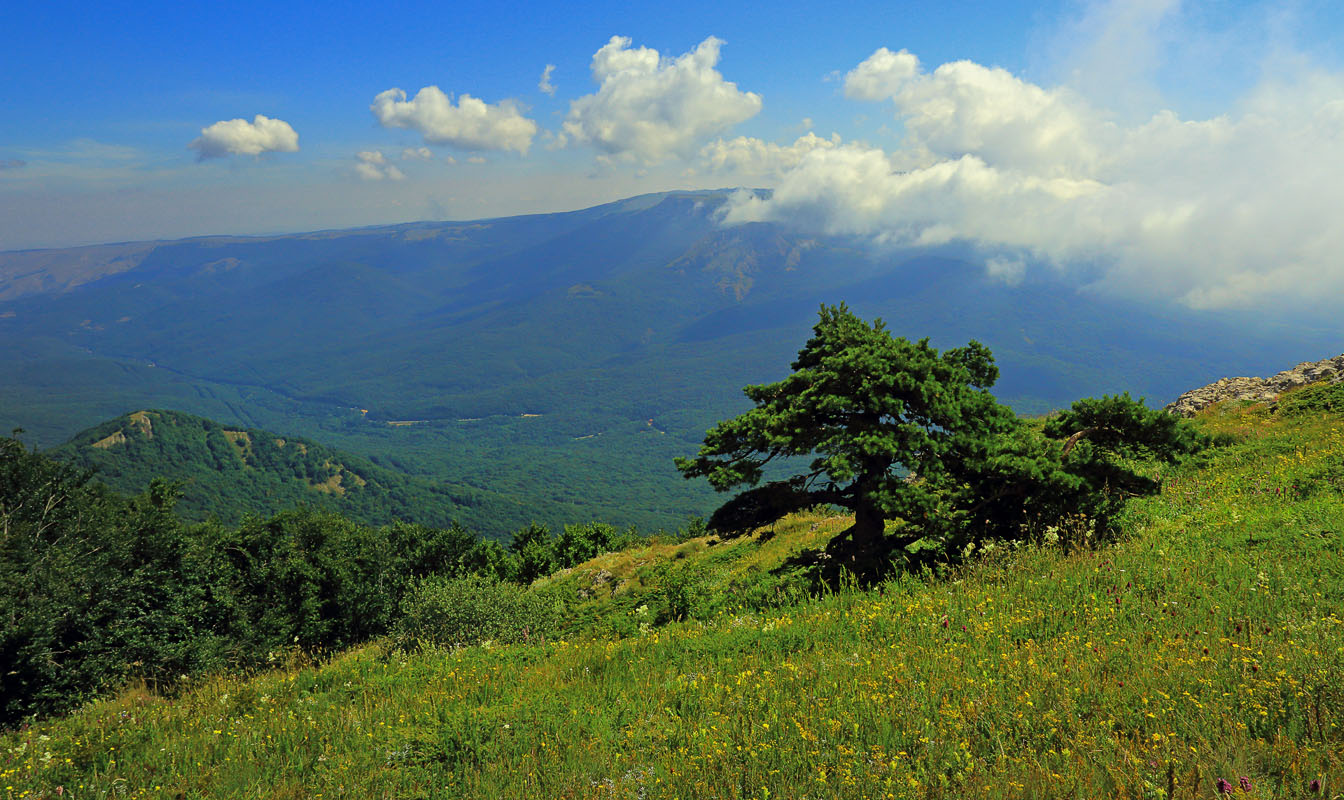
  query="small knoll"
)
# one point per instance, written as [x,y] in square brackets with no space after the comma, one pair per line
[1260,390]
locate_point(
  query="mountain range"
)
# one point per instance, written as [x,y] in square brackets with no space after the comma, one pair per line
[557,362]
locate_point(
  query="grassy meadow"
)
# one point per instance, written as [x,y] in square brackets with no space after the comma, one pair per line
[1206,645]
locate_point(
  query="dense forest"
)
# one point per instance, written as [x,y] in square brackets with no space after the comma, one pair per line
[229,472]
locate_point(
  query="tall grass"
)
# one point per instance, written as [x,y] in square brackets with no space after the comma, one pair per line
[1207,645]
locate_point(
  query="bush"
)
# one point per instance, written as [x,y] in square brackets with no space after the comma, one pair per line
[1318,399]
[685,592]
[579,543]
[305,577]
[462,612]
[534,548]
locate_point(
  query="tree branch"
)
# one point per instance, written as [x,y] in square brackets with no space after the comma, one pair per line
[1074,439]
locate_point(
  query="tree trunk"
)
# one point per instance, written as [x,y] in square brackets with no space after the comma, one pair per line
[869,525]
[860,548]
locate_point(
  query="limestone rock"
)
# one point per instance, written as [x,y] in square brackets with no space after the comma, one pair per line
[1259,390]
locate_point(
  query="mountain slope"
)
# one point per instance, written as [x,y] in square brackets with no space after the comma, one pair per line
[1205,647]
[558,358]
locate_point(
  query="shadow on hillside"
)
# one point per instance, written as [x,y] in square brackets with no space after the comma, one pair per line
[839,565]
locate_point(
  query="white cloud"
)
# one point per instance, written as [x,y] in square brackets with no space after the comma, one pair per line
[240,137]
[649,107]
[881,75]
[545,84]
[372,165]
[1231,211]
[475,160]
[963,107]
[751,156]
[471,124]
[416,153]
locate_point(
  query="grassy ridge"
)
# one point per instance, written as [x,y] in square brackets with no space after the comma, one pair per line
[1209,644]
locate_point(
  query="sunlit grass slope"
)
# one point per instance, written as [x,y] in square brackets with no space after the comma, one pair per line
[1207,645]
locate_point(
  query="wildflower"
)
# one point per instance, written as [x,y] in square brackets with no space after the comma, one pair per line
[1315,786]
[1223,786]
[1245,783]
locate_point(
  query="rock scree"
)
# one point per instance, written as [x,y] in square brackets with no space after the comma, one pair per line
[1260,390]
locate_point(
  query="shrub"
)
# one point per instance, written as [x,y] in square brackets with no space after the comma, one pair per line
[1318,399]
[461,612]
[307,577]
[534,547]
[685,592]
[579,543]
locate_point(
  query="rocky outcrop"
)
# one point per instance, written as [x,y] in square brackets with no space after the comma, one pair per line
[1260,390]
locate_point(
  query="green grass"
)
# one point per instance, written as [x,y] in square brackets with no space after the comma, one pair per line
[1208,644]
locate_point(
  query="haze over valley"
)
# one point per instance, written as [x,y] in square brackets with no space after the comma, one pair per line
[562,360]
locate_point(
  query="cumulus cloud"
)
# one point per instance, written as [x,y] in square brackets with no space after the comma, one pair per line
[881,75]
[650,108]
[963,107]
[545,84]
[1220,212]
[372,165]
[417,153]
[471,124]
[751,156]
[239,137]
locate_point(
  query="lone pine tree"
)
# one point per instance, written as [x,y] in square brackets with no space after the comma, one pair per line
[896,430]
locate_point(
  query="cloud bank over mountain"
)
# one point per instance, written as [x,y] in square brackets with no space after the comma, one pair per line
[1222,212]
[751,156]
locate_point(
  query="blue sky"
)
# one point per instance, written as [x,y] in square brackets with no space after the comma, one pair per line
[141,121]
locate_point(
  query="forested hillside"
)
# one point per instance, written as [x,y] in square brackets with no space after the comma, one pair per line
[229,472]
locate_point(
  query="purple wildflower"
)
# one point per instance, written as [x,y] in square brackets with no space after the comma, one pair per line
[1245,783]
[1224,787]
[1315,786]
